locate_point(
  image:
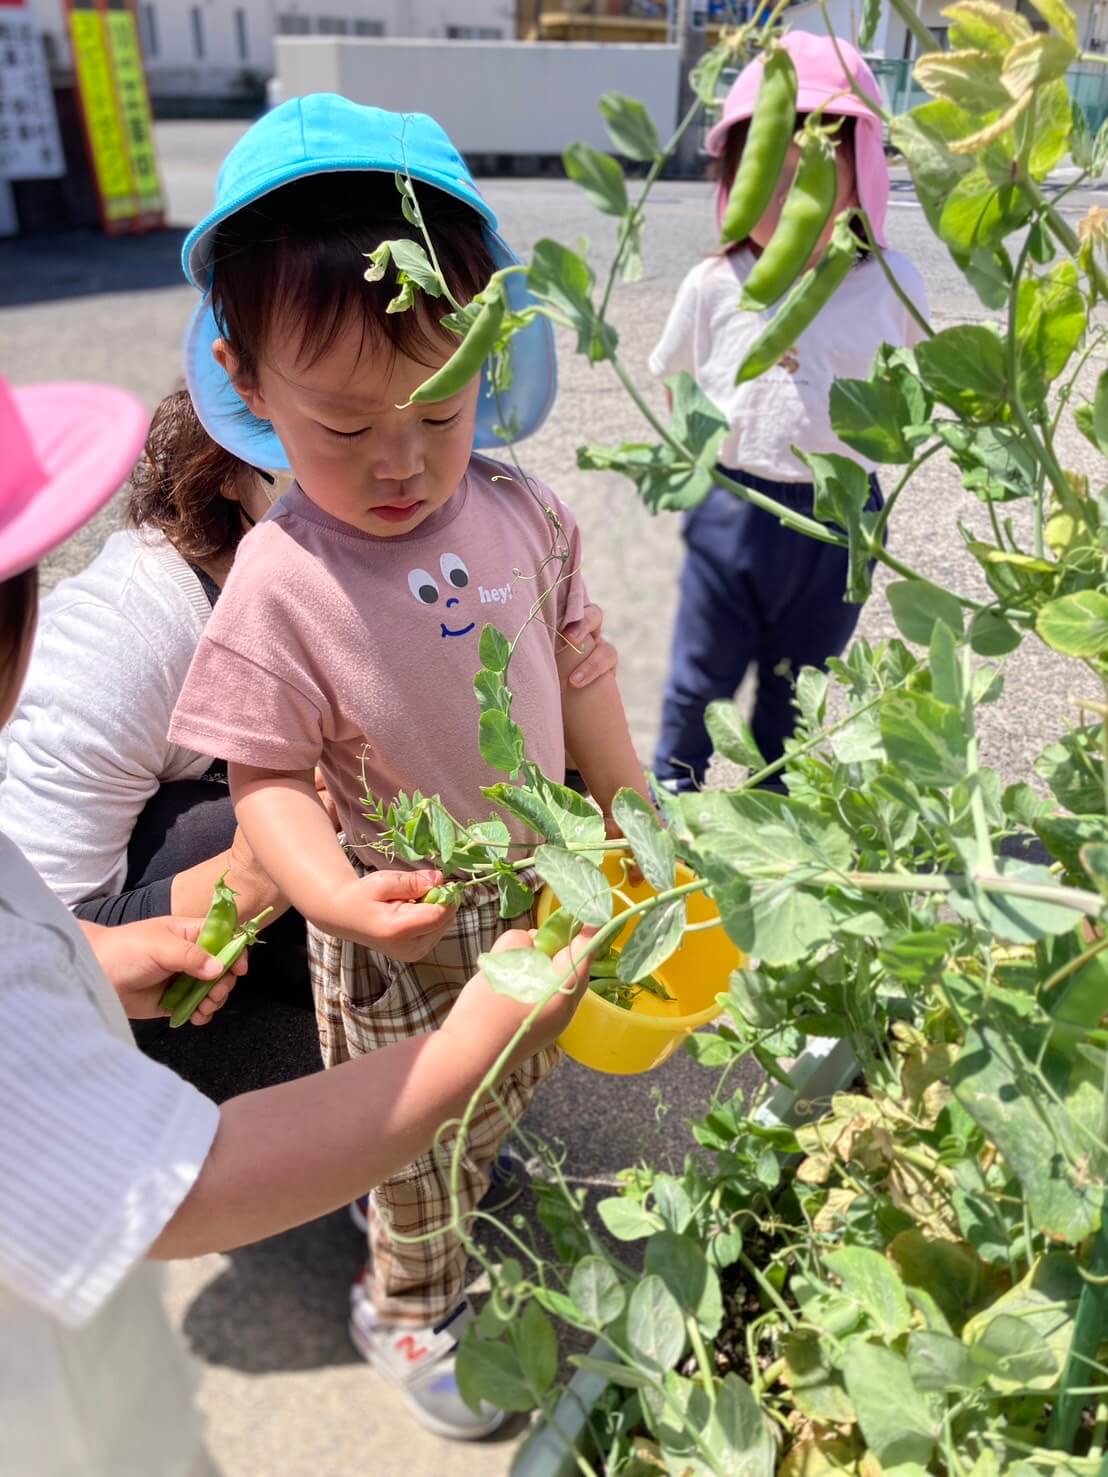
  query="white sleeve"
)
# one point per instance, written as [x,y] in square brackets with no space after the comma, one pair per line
[674,351]
[911,282]
[86,747]
[99,1145]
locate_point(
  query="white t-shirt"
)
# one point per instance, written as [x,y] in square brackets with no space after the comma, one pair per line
[98,1147]
[708,336]
[88,746]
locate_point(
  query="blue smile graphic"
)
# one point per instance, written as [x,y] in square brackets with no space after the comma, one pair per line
[446,631]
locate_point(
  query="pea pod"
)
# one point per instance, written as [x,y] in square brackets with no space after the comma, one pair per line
[217,930]
[807,210]
[228,956]
[767,143]
[556,933]
[448,895]
[807,299]
[467,358]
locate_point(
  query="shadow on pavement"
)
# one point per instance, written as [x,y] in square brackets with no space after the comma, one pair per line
[54,266]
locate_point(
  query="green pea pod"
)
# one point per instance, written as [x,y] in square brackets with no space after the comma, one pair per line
[605,969]
[448,895]
[556,932]
[466,359]
[807,299]
[767,143]
[218,929]
[807,210]
[228,956]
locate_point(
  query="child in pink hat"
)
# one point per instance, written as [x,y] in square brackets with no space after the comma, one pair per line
[754,593]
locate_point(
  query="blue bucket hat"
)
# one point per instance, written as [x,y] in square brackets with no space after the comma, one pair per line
[324,133]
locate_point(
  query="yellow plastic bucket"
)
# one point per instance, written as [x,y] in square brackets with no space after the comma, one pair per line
[622,1042]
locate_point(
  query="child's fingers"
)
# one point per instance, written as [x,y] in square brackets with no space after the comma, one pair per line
[574,957]
[399,887]
[515,938]
[602,661]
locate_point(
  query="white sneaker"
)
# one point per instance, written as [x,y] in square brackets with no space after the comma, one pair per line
[420,1362]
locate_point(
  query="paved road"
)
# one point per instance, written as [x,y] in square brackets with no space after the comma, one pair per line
[282,1389]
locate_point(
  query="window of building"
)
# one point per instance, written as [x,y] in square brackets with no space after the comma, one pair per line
[241,39]
[474,33]
[332,25]
[1031,15]
[196,16]
[369,28]
[293,25]
[148,29]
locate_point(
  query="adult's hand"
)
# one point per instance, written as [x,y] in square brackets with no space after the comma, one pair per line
[139,959]
[583,653]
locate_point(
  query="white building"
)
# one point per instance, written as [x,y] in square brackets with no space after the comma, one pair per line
[205,49]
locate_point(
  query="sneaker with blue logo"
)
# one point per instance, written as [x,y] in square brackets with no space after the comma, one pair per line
[420,1362]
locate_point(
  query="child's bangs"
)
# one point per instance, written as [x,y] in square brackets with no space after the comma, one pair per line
[295,261]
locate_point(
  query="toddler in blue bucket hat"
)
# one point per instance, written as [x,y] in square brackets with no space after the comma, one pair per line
[347,634]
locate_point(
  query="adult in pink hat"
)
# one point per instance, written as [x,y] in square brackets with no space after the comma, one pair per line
[754,593]
[108,1160]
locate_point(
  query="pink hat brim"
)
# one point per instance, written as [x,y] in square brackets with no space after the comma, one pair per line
[86,438]
[820,80]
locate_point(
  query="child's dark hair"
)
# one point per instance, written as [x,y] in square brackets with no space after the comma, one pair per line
[181,482]
[299,254]
[18,607]
[728,164]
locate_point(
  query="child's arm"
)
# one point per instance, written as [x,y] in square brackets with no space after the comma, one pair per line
[294,840]
[598,738]
[287,1154]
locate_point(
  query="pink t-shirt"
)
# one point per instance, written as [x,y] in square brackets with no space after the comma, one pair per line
[330,646]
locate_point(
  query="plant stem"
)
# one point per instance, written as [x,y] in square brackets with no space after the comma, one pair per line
[768,1288]
[1074,965]
[907,13]
[985,859]
[893,497]
[890,276]
[863,97]
[1061,229]
[1089,1331]
[702,1361]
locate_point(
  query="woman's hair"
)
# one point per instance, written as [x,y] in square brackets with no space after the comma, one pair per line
[298,257]
[18,607]
[735,142]
[181,482]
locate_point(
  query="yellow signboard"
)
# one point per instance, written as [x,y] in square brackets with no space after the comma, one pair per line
[107,60]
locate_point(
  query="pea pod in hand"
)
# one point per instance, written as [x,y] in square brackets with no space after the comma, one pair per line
[228,956]
[803,304]
[767,143]
[807,209]
[446,895]
[556,933]
[217,930]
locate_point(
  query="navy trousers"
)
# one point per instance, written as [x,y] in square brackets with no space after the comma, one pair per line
[752,592]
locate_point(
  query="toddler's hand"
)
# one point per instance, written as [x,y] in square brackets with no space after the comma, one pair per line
[383,911]
[630,866]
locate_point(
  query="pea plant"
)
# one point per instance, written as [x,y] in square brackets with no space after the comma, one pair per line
[913,1277]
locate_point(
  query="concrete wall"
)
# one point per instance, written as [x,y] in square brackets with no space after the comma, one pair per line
[496,98]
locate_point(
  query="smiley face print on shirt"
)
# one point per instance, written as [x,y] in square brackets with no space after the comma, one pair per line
[454,580]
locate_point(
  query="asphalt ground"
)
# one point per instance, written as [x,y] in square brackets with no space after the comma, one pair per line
[283,1390]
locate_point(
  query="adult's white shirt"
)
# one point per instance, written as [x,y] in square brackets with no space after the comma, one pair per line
[707,335]
[98,1147]
[87,746]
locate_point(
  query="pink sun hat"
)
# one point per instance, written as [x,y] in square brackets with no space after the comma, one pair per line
[64,450]
[820,77]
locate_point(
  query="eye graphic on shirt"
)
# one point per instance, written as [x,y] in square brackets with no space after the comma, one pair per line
[454,571]
[423,586]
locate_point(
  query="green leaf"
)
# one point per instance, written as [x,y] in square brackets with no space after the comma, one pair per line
[657,934]
[536,1346]
[978,213]
[869,415]
[1059,15]
[697,422]
[709,1048]
[495,650]
[899,1424]
[626,1219]
[599,175]
[842,491]
[952,1273]
[917,606]
[964,368]
[624,1375]
[946,667]
[1076,625]
[491,1371]
[1094,859]
[672,1202]
[491,689]
[562,279]
[925,738]
[984,27]
[410,258]
[991,635]
[444,832]
[1064,836]
[704,77]
[871,19]
[969,80]
[655,1327]
[522,974]
[516,897]
[736,1432]
[923,136]
[817,1387]
[581,888]
[630,127]
[731,735]
[501,741]
[937,1362]
[1017,919]
[1043,1305]
[652,847]
[597,1291]
[1050,321]
[1072,768]
[871,1282]
[1036,61]
[528,806]
[1018,1355]
[679,1262]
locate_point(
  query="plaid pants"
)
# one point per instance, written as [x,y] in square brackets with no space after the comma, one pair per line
[364,1000]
